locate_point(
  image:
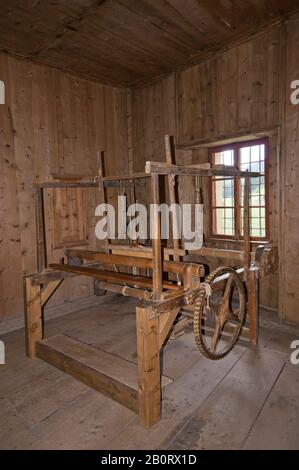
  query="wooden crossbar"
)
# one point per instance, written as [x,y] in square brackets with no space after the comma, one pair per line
[122,278]
[162,168]
[138,262]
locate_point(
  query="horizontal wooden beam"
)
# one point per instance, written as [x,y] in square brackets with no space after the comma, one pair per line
[49,275]
[106,373]
[146,251]
[133,176]
[127,291]
[68,184]
[167,169]
[141,250]
[93,182]
[110,375]
[240,136]
[235,255]
[176,267]
[121,278]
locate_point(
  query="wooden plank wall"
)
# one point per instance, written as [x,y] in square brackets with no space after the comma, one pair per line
[289,169]
[54,122]
[234,92]
[51,123]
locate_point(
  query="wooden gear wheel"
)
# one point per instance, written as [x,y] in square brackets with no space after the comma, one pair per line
[219,313]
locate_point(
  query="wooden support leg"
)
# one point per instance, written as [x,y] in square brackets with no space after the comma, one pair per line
[149,375]
[252,305]
[33,315]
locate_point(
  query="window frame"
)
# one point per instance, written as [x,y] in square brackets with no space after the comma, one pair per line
[236,146]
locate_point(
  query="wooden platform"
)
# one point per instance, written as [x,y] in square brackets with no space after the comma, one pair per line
[109,374]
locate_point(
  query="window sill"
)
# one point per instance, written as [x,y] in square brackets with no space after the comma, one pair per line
[234,240]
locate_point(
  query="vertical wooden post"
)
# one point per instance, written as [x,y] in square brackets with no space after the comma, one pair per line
[33,315]
[187,277]
[250,275]
[172,198]
[149,375]
[156,238]
[40,230]
[100,158]
[246,223]
[253,305]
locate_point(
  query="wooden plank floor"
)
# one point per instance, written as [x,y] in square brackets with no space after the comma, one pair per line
[248,400]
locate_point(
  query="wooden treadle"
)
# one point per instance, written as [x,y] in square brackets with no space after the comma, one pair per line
[111,375]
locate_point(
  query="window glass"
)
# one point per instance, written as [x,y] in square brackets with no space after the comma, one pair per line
[228,193]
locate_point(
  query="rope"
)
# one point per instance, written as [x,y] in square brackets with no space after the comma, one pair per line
[123,291]
[206,286]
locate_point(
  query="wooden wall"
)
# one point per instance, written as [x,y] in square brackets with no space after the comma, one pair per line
[289,170]
[51,123]
[236,92]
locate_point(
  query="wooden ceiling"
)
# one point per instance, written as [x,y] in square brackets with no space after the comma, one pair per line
[126,42]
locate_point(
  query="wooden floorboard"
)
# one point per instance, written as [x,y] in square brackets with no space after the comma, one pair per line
[181,400]
[248,400]
[224,420]
[277,425]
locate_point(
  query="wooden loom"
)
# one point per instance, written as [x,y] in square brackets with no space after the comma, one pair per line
[174,285]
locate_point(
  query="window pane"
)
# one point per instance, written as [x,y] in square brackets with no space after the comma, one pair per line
[245,156]
[255,200]
[255,166]
[224,221]
[257,222]
[252,158]
[224,158]
[248,157]
[224,192]
[255,153]
[257,188]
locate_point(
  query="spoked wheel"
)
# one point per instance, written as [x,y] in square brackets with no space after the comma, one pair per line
[219,313]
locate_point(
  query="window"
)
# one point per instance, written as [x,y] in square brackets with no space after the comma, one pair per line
[228,193]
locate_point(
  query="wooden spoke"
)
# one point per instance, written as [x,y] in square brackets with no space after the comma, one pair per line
[215,337]
[228,289]
[233,315]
